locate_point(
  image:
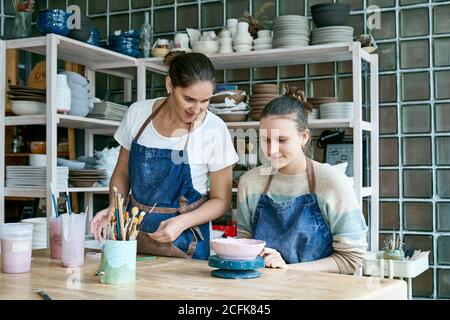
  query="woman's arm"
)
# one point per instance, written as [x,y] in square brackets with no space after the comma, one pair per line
[218,203]
[327,264]
[120,178]
[215,207]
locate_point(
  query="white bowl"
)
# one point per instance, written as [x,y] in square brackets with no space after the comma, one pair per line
[206,47]
[263,41]
[264,34]
[242,48]
[237,249]
[25,108]
[38,160]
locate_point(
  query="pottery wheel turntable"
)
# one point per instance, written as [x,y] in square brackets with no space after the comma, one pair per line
[235,269]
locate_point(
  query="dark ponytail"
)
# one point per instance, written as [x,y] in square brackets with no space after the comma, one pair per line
[188,68]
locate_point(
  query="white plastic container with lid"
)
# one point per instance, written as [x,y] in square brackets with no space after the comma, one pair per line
[40,232]
[16,241]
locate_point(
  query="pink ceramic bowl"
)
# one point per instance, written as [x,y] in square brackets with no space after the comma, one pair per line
[237,249]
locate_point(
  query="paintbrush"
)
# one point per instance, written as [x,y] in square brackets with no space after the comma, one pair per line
[134,212]
[121,218]
[134,231]
[116,211]
[69,206]
[55,205]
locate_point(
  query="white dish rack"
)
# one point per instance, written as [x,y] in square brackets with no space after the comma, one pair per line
[375,265]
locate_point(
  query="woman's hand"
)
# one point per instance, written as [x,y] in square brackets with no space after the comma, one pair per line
[273,259]
[100,223]
[169,230]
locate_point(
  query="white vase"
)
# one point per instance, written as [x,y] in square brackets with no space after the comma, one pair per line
[63,94]
[232,22]
[226,45]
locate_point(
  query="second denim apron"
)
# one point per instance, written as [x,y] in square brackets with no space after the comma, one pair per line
[295,228]
[157,177]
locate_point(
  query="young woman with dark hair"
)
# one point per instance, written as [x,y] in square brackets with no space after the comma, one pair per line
[169,147]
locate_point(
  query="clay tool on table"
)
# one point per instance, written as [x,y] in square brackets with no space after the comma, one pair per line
[43,294]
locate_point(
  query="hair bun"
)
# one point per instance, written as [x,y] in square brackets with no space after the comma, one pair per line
[299,94]
[171,56]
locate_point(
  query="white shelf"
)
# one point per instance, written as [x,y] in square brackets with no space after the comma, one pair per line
[273,57]
[40,193]
[24,193]
[312,124]
[65,121]
[93,57]
[90,190]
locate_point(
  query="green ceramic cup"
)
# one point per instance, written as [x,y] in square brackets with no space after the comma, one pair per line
[118,262]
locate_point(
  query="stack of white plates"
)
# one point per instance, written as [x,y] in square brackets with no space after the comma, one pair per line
[314,115]
[290,31]
[332,35]
[108,111]
[34,177]
[39,232]
[336,110]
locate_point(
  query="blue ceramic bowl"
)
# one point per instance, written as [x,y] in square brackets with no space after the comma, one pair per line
[131,34]
[124,46]
[118,41]
[130,52]
[53,22]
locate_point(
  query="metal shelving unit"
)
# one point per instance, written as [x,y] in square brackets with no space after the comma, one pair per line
[95,59]
[319,54]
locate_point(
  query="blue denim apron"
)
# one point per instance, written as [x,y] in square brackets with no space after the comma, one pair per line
[295,228]
[156,179]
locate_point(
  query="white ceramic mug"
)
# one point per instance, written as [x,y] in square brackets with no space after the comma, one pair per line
[181,40]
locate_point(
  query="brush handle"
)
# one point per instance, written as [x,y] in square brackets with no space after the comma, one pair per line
[116,212]
[121,219]
[69,206]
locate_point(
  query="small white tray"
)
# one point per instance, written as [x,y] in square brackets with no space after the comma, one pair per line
[373,262]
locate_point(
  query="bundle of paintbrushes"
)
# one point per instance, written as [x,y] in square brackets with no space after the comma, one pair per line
[394,243]
[123,226]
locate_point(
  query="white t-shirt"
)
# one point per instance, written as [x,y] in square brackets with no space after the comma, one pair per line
[210,147]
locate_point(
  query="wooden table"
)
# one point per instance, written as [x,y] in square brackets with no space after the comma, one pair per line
[174,278]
